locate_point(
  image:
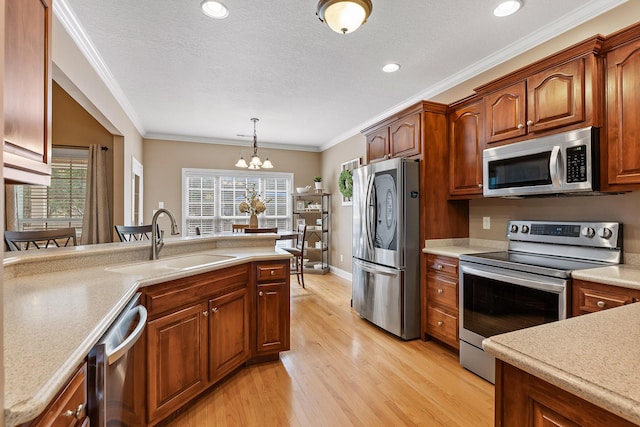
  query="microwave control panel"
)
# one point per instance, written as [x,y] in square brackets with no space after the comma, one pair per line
[577,163]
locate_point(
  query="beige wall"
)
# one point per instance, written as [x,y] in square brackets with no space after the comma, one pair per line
[341,217]
[164,160]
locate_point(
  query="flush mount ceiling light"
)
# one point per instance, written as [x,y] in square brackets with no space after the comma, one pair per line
[255,162]
[214,9]
[344,16]
[507,8]
[391,68]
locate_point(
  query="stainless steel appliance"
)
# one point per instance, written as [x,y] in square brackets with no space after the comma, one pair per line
[568,162]
[528,285]
[111,394]
[386,246]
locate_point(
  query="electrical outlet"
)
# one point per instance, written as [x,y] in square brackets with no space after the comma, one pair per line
[341,258]
[486,222]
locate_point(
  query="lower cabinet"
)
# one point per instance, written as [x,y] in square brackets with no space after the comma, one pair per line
[442,299]
[272,308]
[527,401]
[590,297]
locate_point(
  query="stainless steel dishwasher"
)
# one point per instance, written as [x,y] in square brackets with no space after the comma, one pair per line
[110,379]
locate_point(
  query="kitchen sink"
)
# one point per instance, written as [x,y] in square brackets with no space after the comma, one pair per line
[182,263]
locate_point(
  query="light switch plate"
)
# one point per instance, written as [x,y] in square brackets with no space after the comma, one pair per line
[486,222]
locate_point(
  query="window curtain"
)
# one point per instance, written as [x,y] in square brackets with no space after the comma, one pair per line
[96,222]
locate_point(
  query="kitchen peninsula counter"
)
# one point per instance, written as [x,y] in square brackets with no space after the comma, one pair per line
[58,303]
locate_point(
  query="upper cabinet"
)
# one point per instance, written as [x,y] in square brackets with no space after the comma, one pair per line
[27,91]
[623,110]
[466,142]
[561,91]
[398,136]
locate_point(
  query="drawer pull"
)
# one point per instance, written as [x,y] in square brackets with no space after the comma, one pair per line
[601,304]
[440,323]
[438,266]
[440,291]
[260,293]
[273,272]
[78,413]
[214,309]
[205,313]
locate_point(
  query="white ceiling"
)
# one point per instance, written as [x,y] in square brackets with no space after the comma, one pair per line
[180,75]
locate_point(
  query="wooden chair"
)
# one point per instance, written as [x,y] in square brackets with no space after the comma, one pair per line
[261,230]
[131,233]
[41,239]
[238,228]
[298,253]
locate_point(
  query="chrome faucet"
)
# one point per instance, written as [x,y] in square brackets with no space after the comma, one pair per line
[157,241]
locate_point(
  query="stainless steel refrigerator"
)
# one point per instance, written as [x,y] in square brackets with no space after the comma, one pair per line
[386,245]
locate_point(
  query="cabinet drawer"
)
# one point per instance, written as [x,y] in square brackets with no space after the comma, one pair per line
[442,264]
[69,408]
[442,325]
[271,271]
[443,290]
[589,297]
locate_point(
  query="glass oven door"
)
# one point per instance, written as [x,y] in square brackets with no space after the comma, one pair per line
[494,301]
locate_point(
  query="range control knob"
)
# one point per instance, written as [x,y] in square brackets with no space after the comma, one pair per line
[514,228]
[525,229]
[588,232]
[605,233]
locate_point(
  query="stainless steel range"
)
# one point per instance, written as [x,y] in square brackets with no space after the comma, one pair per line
[530,283]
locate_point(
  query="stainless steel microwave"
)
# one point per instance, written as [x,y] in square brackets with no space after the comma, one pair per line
[568,162]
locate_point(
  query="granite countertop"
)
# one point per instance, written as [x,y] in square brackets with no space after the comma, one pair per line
[593,356]
[627,276]
[455,247]
[53,319]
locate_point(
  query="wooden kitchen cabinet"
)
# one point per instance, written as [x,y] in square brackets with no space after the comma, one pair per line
[27,91]
[466,142]
[272,308]
[442,299]
[397,136]
[197,333]
[69,408]
[528,401]
[623,110]
[506,113]
[378,145]
[590,297]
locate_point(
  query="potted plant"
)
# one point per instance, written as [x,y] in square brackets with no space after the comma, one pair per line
[318,182]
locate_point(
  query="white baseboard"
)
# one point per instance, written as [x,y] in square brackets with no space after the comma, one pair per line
[340,273]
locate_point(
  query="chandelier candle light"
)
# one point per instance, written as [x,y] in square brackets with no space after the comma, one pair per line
[255,162]
[253,205]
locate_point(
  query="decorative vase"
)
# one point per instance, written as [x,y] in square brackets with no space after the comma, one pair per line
[253,221]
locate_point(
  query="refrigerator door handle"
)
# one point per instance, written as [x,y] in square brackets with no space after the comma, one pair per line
[369,268]
[370,212]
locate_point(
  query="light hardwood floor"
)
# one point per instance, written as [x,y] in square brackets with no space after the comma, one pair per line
[343,371]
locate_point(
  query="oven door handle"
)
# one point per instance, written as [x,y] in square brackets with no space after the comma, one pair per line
[114,355]
[503,277]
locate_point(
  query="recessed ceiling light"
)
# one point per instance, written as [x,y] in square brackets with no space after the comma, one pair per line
[507,8]
[391,68]
[214,9]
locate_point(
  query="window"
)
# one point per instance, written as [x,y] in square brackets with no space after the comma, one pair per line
[211,198]
[61,204]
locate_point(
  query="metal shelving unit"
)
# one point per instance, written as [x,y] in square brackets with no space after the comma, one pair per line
[314,209]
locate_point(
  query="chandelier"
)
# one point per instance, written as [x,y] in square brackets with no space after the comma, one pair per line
[255,162]
[344,16]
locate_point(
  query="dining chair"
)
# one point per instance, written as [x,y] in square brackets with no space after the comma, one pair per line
[131,233]
[298,254]
[40,239]
[261,230]
[238,228]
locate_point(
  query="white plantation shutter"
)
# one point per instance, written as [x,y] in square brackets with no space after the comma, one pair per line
[61,204]
[222,191]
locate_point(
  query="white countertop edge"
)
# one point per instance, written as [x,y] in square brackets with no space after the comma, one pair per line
[27,410]
[594,393]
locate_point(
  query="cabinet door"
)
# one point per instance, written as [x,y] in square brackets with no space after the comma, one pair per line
[177,359]
[27,91]
[623,110]
[556,97]
[378,145]
[505,112]
[272,318]
[69,407]
[228,333]
[404,136]
[466,142]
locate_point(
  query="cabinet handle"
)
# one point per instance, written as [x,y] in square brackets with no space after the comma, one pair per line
[601,304]
[438,266]
[440,323]
[260,293]
[78,413]
[205,313]
[214,309]
[479,185]
[440,291]
[273,272]
[520,125]
[529,123]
